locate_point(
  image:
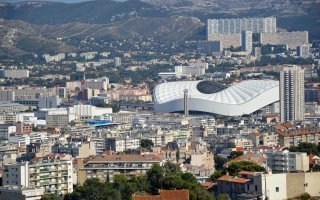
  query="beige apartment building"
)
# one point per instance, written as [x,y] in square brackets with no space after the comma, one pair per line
[106,167]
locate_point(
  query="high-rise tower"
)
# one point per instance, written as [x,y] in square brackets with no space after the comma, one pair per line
[185,105]
[246,41]
[292,94]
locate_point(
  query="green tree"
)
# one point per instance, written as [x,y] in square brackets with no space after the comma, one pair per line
[50,197]
[172,182]
[155,178]
[170,167]
[126,188]
[188,177]
[219,162]
[94,189]
[217,174]
[223,197]
[309,148]
[146,143]
[236,167]
[305,196]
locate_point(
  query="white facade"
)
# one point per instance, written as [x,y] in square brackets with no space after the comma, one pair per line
[55,176]
[292,94]
[285,161]
[256,25]
[88,111]
[243,98]
[5,131]
[274,186]
[189,71]
[16,73]
[303,51]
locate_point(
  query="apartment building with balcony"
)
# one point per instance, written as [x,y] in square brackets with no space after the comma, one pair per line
[50,173]
[285,161]
[293,138]
[106,167]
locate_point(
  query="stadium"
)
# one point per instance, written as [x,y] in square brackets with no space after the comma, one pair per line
[242,98]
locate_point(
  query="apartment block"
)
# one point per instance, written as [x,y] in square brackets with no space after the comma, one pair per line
[228,40]
[285,161]
[107,167]
[75,149]
[292,39]
[16,73]
[7,95]
[208,47]
[189,71]
[122,144]
[49,173]
[6,130]
[59,120]
[256,25]
[292,94]
[293,139]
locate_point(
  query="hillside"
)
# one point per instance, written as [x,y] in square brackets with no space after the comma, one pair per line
[18,38]
[35,26]
[93,12]
[21,38]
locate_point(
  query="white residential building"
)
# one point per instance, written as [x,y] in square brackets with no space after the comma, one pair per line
[49,173]
[189,71]
[6,130]
[292,94]
[285,161]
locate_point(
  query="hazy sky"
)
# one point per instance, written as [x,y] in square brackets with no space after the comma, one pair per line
[66,1]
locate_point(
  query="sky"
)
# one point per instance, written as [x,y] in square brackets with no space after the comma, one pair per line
[65,1]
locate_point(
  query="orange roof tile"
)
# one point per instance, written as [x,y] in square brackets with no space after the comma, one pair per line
[247,173]
[233,179]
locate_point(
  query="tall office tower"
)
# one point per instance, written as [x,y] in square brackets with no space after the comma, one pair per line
[303,51]
[185,103]
[246,41]
[231,26]
[292,93]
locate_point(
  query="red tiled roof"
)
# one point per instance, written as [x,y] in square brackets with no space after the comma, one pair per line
[248,173]
[233,179]
[208,184]
[240,148]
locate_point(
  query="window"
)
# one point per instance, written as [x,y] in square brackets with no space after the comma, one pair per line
[277,189]
[248,187]
[256,187]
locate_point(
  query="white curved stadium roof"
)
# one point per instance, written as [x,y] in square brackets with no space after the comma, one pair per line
[242,98]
